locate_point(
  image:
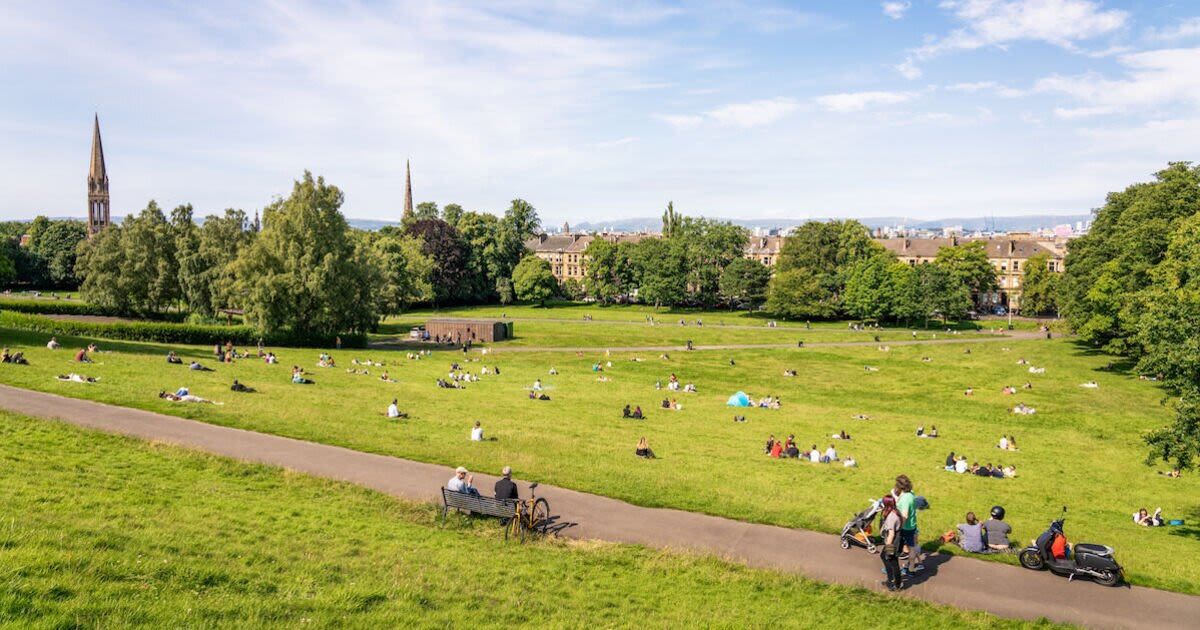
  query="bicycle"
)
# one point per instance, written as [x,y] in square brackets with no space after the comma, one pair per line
[532,516]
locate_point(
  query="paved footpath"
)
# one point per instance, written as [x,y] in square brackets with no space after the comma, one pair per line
[966,583]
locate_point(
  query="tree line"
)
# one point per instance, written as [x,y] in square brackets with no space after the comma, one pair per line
[1132,288]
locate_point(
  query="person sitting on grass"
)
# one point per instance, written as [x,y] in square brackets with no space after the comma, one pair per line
[1146,519]
[960,466]
[477,432]
[970,391]
[951,461]
[830,455]
[777,450]
[841,435]
[1012,443]
[82,355]
[739,418]
[932,432]
[666,404]
[921,431]
[850,462]
[770,445]
[393,410]
[997,531]
[814,455]
[637,413]
[76,378]
[271,359]
[298,376]
[643,449]
[626,412]
[173,358]
[1009,472]
[791,452]
[1003,445]
[239,387]
[970,535]
[195,365]
[53,344]
[463,482]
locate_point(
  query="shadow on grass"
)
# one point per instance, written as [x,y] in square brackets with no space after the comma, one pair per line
[1189,528]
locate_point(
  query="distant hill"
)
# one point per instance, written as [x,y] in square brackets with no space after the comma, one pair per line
[1002,224]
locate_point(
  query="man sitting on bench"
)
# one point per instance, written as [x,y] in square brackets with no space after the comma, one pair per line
[462,481]
[506,490]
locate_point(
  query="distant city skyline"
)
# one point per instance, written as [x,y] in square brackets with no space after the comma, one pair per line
[593,111]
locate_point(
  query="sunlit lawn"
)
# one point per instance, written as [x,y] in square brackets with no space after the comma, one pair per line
[102,531]
[1082,448]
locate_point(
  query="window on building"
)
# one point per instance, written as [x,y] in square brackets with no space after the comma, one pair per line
[1016,266]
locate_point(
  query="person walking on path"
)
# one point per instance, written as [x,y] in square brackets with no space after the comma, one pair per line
[890,554]
[906,503]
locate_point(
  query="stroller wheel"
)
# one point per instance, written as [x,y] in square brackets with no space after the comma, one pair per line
[872,549]
[845,543]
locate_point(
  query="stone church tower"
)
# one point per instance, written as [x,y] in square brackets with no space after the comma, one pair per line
[98,202]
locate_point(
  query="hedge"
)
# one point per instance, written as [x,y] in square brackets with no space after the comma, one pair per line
[164,332]
[72,307]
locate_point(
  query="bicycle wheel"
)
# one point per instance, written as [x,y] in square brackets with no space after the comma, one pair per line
[539,517]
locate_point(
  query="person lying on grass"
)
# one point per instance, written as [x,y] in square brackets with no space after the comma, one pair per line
[77,378]
[195,365]
[1145,519]
[643,449]
[537,396]
[239,387]
[17,358]
[186,397]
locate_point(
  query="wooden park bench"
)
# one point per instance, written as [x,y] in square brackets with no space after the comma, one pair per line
[476,504]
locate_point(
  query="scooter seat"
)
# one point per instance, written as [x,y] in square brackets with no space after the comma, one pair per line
[1093,549]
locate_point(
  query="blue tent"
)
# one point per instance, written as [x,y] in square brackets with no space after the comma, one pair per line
[739,399]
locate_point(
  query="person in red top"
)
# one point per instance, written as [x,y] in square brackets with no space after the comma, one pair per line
[82,356]
[776,449]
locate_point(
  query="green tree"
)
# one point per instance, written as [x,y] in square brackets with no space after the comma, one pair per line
[304,274]
[533,281]
[941,293]
[744,282]
[670,220]
[797,294]
[132,268]
[906,303]
[425,210]
[610,269]
[708,247]
[405,271]
[869,293]
[969,265]
[451,213]
[825,251]
[1039,286]
[57,247]
[661,271]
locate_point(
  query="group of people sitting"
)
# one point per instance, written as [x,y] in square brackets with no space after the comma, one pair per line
[84,354]
[672,404]
[1024,410]
[767,402]
[13,357]
[326,361]
[298,376]
[785,449]
[989,536]
[958,464]
[635,414]
[933,432]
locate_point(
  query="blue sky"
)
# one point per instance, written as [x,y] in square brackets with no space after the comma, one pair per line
[596,110]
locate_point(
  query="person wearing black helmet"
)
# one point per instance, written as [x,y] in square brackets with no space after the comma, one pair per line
[997,530]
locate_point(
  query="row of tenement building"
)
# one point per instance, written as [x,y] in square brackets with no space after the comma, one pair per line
[565,252]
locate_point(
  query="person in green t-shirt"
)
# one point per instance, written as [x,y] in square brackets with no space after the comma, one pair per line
[906,504]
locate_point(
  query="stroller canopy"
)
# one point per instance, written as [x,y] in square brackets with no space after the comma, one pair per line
[739,399]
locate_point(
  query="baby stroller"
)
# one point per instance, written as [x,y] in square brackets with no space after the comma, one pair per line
[858,530]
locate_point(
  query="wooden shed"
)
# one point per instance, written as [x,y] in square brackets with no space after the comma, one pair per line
[464,330]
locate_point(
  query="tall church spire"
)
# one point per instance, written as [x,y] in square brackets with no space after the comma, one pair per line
[98,201]
[408,207]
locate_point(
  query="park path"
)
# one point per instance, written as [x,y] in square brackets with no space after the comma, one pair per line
[399,344]
[956,581]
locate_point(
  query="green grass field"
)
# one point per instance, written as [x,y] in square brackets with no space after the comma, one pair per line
[1082,448]
[102,531]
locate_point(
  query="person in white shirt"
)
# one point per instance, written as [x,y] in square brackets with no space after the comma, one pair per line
[850,463]
[462,481]
[477,433]
[830,454]
[537,385]
[1003,443]
[393,410]
[960,466]
[814,455]
[53,344]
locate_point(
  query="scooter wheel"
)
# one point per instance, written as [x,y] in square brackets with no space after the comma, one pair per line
[1108,578]
[845,544]
[1030,559]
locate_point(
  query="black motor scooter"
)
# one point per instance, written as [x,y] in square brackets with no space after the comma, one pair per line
[1094,561]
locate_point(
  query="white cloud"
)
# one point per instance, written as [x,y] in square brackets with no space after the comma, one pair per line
[1071,113]
[1156,78]
[896,10]
[997,23]
[999,89]
[909,69]
[749,114]
[858,101]
[754,113]
[611,144]
[1183,30]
